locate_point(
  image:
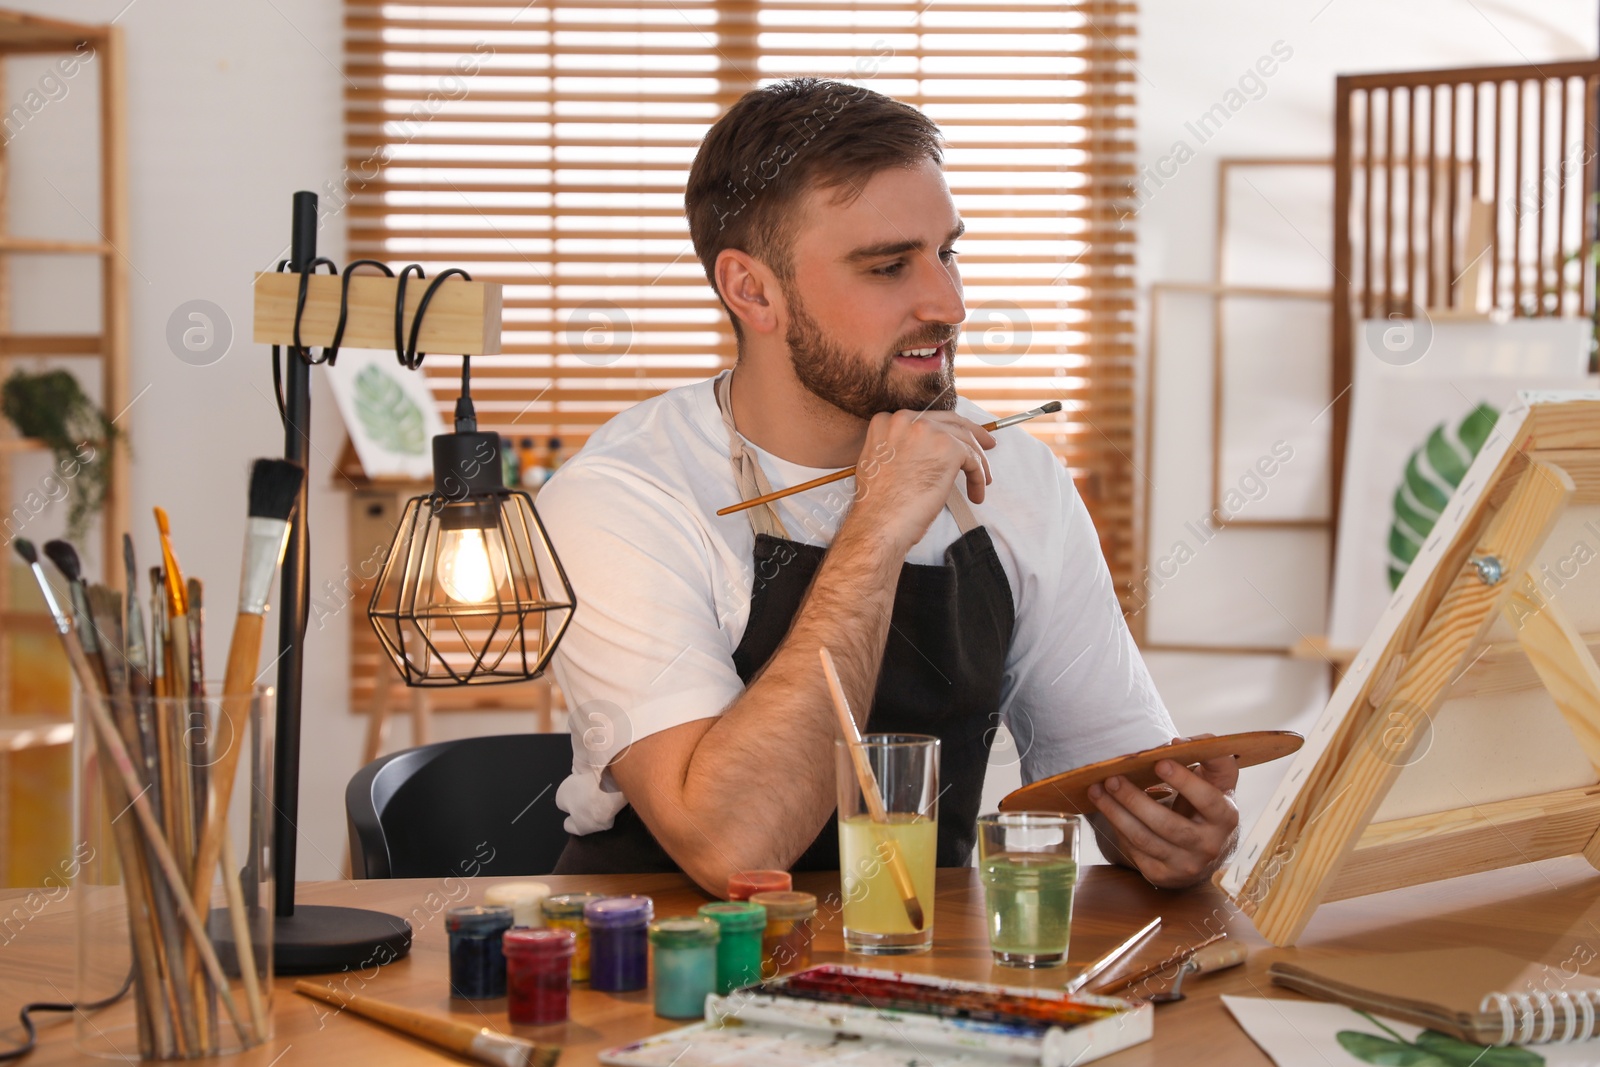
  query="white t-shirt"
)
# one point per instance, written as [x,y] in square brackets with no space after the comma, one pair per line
[663,587]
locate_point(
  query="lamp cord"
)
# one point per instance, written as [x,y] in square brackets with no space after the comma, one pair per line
[31,1041]
[466,415]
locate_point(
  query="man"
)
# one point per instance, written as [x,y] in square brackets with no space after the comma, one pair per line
[956,579]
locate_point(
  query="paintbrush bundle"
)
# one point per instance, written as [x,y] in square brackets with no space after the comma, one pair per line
[183,886]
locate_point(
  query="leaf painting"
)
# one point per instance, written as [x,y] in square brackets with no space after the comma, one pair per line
[1432,473]
[391,418]
[1431,1049]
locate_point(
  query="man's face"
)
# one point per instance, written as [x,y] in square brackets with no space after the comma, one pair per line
[875,280]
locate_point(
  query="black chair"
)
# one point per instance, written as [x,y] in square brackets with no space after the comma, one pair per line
[481,805]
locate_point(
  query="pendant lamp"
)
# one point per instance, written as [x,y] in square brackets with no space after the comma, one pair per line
[471,592]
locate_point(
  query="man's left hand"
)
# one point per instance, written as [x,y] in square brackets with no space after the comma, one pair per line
[1181,845]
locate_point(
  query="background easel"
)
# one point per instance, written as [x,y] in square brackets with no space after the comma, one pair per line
[1429,659]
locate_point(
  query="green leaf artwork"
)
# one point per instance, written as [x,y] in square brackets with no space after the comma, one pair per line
[1432,474]
[391,418]
[1431,1049]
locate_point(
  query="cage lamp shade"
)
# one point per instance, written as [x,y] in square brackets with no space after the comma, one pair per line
[471,592]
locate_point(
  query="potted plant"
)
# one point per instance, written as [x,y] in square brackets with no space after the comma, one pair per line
[51,407]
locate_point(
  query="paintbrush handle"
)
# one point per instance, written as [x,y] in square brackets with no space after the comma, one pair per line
[106,733]
[836,476]
[1177,959]
[243,654]
[869,791]
[436,1030]
[852,740]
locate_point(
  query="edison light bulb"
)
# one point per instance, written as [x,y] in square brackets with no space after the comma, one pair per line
[464,570]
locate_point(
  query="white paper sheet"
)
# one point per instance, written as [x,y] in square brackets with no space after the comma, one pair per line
[1303,1033]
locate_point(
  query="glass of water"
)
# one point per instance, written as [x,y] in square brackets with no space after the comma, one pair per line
[1028,861]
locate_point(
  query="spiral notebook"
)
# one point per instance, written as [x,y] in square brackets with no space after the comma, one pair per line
[1476,994]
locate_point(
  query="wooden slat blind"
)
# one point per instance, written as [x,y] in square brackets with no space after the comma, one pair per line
[545,145]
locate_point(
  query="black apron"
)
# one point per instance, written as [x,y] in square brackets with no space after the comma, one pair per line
[942,671]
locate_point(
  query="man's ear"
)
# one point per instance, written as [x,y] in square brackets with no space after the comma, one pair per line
[749,289]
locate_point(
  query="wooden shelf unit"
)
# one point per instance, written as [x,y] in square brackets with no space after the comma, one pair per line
[31,35]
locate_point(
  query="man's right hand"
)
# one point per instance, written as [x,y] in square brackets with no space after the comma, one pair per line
[907,466]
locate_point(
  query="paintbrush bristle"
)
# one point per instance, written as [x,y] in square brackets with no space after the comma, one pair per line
[914,913]
[1051,408]
[195,590]
[542,1056]
[161,522]
[25,549]
[65,557]
[275,488]
[129,564]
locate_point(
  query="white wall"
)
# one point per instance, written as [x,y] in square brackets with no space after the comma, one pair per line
[232,107]
[1255,586]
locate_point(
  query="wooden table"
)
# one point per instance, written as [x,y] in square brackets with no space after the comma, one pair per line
[1543,910]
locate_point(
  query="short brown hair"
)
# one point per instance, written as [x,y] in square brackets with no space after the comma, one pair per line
[776,144]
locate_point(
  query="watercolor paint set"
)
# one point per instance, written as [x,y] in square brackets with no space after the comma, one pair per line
[861,1017]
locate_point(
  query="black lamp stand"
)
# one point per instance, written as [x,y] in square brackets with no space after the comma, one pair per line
[308,939]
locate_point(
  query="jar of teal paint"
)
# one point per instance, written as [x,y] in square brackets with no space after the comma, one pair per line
[685,965]
[739,948]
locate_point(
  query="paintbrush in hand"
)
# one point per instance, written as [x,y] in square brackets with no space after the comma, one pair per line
[838,476]
[895,861]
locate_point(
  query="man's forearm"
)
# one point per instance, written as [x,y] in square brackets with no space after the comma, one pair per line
[764,770]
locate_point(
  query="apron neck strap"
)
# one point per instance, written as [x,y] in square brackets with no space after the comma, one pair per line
[747,473]
[752,481]
[966,521]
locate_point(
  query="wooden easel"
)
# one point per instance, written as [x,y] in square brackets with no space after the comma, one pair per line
[1318,840]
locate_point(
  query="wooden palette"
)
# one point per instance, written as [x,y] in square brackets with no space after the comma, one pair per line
[1069,792]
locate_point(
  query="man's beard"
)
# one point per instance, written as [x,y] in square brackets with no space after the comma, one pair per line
[861,388]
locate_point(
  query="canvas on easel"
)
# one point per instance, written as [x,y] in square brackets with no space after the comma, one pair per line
[1466,735]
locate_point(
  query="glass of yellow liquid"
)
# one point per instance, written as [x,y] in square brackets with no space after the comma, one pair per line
[879,860]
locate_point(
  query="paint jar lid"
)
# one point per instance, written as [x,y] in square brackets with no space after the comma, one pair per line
[527,943]
[511,894]
[685,932]
[569,905]
[735,916]
[477,919]
[745,884]
[615,912]
[790,907]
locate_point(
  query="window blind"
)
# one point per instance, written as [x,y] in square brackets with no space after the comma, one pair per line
[545,146]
